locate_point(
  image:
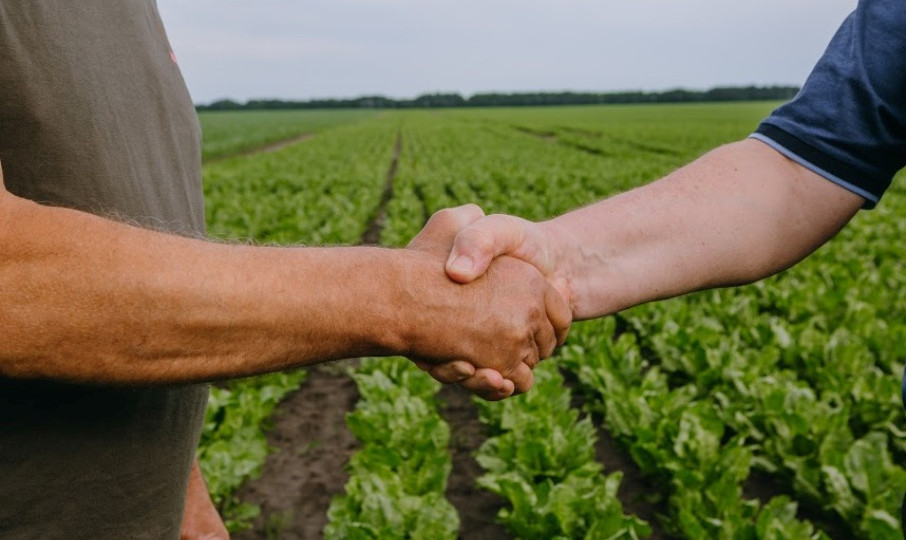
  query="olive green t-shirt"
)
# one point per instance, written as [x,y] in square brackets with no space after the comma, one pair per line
[94,115]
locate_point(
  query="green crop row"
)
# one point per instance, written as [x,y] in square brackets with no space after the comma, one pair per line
[541,459]
[805,366]
[233,446]
[678,439]
[398,477]
[322,191]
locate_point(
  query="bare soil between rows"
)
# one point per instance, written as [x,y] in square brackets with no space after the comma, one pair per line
[312,445]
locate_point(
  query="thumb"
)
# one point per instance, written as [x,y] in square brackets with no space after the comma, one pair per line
[478,244]
[438,233]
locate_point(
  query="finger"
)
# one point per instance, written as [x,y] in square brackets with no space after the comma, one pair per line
[545,342]
[438,234]
[452,372]
[488,384]
[559,314]
[479,243]
[522,378]
[424,366]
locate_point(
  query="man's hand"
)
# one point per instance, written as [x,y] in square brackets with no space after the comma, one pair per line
[522,296]
[485,239]
[200,520]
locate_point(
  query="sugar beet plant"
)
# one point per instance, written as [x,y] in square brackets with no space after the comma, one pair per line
[677,438]
[540,458]
[398,476]
[805,367]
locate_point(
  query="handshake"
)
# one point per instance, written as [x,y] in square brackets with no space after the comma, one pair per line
[501,307]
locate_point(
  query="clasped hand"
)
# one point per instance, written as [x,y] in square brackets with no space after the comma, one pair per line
[486,335]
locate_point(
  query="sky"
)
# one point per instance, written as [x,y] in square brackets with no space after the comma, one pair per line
[309,49]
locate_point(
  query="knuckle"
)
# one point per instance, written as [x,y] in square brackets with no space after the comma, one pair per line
[536,314]
[441,215]
[548,349]
[472,210]
[520,336]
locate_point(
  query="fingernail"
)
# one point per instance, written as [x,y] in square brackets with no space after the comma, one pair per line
[461,371]
[462,264]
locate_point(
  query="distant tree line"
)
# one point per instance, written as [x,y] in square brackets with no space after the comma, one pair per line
[518,99]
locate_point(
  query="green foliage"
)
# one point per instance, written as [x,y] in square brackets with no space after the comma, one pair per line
[323,191]
[228,133]
[541,460]
[797,376]
[233,444]
[378,506]
[398,477]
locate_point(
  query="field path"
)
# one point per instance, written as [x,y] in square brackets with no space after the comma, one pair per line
[267,148]
[372,236]
[312,445]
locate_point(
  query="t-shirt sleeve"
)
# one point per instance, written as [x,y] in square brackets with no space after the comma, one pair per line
[848,123]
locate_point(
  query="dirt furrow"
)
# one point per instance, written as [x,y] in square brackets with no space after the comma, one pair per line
[312,445]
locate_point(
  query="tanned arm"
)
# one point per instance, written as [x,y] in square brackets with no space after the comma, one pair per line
[90,300]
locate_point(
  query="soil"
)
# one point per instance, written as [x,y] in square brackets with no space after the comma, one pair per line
[372,234]
[635,490]
[312,445]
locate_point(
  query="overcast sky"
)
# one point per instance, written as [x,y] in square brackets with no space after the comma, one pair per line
[304,49]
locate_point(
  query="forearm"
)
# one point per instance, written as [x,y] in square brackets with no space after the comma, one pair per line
[738,214]
[88,299]
[91,300]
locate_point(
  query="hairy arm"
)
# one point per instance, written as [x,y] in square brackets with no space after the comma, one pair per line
[740,213]
[90,300]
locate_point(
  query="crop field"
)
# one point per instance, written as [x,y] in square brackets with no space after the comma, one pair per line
[770,411]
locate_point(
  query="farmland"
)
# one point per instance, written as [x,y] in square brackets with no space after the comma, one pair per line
[770,411]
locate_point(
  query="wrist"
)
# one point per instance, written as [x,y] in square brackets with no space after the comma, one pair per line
[590,278]
[400,289]
[561,249]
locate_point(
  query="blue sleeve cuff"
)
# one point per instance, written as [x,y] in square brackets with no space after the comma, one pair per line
[871,200]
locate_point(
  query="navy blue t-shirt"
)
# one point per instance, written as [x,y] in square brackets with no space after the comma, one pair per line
[848,123]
